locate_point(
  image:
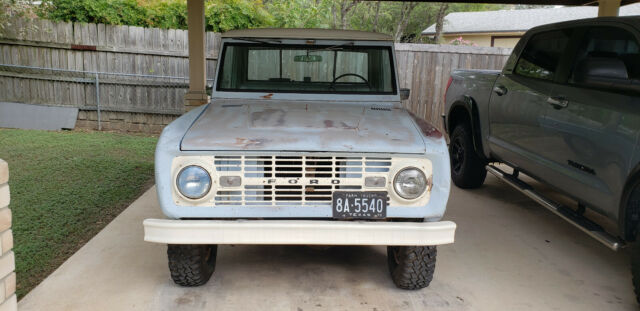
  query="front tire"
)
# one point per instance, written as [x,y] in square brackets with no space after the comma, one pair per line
[635,267]
[411,267]
[191,265]
[467,168]
[633,204]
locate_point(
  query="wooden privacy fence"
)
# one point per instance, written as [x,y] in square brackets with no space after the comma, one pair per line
[426,68]
[145,70]
[141,69]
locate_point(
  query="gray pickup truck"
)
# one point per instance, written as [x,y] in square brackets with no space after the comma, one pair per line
[565,110]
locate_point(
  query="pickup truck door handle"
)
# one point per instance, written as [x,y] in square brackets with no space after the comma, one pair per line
[558,102]
[500,90]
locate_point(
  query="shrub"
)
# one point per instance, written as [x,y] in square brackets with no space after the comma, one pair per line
[115,12]
[220,15]
[226,15]
[168,14]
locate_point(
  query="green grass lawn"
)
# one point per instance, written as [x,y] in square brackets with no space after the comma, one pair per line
[65,187]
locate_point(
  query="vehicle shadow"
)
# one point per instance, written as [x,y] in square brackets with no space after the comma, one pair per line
[281,277]
[352,262]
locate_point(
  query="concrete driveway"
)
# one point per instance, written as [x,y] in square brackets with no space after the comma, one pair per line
[510,254]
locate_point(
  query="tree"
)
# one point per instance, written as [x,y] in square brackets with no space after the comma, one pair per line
[440,21]
[393,18]
[376,18]
[431,17]
[300,13]
[344,7]
[225,15]
[403,19]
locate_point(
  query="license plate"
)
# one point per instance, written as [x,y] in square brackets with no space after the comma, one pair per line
[359,205]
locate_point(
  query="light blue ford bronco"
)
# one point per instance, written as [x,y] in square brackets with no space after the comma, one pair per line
[304,142]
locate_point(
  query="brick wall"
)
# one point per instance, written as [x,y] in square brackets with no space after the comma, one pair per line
[8,299]
[133,122]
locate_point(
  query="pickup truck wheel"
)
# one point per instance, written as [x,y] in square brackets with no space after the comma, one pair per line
[467,168]
[191,265]
[634,203]
[411,267]
[635,267]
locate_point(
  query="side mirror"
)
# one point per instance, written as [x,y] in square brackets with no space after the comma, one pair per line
[404,94]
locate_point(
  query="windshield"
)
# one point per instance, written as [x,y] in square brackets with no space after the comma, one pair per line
[344,69]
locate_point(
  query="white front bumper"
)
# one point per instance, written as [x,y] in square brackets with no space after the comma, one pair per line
[300,232]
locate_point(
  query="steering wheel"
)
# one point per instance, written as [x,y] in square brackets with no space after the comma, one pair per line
[347,75]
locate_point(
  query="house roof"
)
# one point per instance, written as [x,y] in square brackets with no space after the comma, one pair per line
[295,33]
[517,20]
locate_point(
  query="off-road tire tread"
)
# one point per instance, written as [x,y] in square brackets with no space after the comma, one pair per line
[415,268]
[188,266]
[473,171]
[635,268]
[633,203]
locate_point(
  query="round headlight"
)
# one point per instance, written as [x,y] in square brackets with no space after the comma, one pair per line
[193,182]
[410,183]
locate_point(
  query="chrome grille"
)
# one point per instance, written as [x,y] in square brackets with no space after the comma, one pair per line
[271,180]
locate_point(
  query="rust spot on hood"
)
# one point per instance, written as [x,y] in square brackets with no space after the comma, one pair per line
[328,123]
[250,143]
[343,125]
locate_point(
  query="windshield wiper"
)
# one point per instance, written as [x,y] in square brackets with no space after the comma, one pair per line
[259,40]
[333,47]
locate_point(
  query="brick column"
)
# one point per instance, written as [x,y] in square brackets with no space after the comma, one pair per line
[8,301]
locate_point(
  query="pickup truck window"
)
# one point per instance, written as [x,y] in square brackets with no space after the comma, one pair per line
[306,69]
[542,54]
[607,57]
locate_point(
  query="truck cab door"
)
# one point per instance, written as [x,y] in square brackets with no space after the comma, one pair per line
[518,103]
[595,117]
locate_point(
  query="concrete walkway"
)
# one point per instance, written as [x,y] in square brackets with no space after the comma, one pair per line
[510,254]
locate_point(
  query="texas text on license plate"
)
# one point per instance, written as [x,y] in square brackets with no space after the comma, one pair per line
[360,205]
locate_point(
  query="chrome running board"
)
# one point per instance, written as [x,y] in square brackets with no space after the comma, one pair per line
[589,227]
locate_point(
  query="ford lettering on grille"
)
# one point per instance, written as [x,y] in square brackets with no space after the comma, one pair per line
[269,180]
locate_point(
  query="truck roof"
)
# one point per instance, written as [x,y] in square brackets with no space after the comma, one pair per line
[595,21]
[299,33]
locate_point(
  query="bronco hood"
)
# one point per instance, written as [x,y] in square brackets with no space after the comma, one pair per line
[232,125]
